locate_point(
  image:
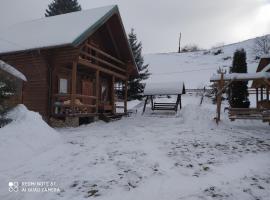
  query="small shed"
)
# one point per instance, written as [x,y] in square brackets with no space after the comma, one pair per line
[164,89]
[11,74]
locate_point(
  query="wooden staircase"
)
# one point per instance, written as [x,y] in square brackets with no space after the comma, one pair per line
[109,117]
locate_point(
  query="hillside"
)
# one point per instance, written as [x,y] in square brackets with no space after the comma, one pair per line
[195,68]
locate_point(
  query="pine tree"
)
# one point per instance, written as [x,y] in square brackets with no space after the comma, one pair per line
[7,89]
[238,97]
[135,85]
[58,7]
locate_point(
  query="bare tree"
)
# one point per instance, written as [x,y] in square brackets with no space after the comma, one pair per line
[262,45]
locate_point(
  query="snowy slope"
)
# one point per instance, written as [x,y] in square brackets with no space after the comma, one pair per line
[196,68]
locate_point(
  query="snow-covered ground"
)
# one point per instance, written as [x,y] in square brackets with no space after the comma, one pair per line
[196,68]
[153,156]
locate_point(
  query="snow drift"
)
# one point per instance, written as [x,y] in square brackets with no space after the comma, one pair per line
[26,136]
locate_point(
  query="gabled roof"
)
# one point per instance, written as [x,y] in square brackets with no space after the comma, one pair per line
[11,70]
[56,31]
[60,30]
[264,62]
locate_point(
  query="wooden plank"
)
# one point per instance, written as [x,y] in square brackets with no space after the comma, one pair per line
[105,54]
[103,61]
[96,67]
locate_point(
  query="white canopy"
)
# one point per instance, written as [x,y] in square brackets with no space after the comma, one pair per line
[11,70]
[164,88]
[241,76]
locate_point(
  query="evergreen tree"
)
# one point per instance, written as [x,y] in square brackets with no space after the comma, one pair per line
[135,85]
[238,97]
[7,89]
[58,7]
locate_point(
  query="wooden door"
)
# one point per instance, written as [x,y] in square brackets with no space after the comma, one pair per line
[87,89]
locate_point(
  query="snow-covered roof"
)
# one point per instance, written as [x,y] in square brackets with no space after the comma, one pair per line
[164,88]
[241,76]
[60,30]
[11,70]
[266,68]
[265,56]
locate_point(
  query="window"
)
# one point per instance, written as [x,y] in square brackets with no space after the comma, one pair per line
[63,86]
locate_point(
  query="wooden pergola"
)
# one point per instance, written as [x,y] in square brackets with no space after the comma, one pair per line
[164,89]
[261,82]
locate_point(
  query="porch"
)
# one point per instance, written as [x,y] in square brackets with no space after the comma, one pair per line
[90,86]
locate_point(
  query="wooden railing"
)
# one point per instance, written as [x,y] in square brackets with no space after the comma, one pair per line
[62,105]
[102,59]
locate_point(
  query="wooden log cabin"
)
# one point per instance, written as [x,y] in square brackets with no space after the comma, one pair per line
[73,63]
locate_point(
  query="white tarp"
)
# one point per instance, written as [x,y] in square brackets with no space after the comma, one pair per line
[241,76]
[11,70]
[164,88]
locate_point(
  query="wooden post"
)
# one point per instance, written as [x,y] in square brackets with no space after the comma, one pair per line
[97,90]
[152,102]
[180,96]
[219,97]
[73,86]
[113,95]
[257,97]
[267,93]
[125,100]
[261,93]
[145,104]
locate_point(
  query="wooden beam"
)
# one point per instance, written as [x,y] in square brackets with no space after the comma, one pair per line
[103,61]
[105,54]
[73,85]
[219,97]
[257,97]
[267,93]
[97,90]
[113,95]
[261,93]
[145,102]
[152,102]
[125,99]
[96,67]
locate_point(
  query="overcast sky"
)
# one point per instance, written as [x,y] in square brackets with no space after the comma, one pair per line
[158,22]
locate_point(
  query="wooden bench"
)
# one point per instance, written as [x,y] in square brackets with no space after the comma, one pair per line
[164,106]
[249,113]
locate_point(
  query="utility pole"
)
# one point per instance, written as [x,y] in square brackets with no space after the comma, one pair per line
[179,48]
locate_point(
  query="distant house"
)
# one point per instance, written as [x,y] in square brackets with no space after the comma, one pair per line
[263,86]
[73,62]
[15,77]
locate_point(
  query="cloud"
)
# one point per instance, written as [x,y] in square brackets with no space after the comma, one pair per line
[158,23]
